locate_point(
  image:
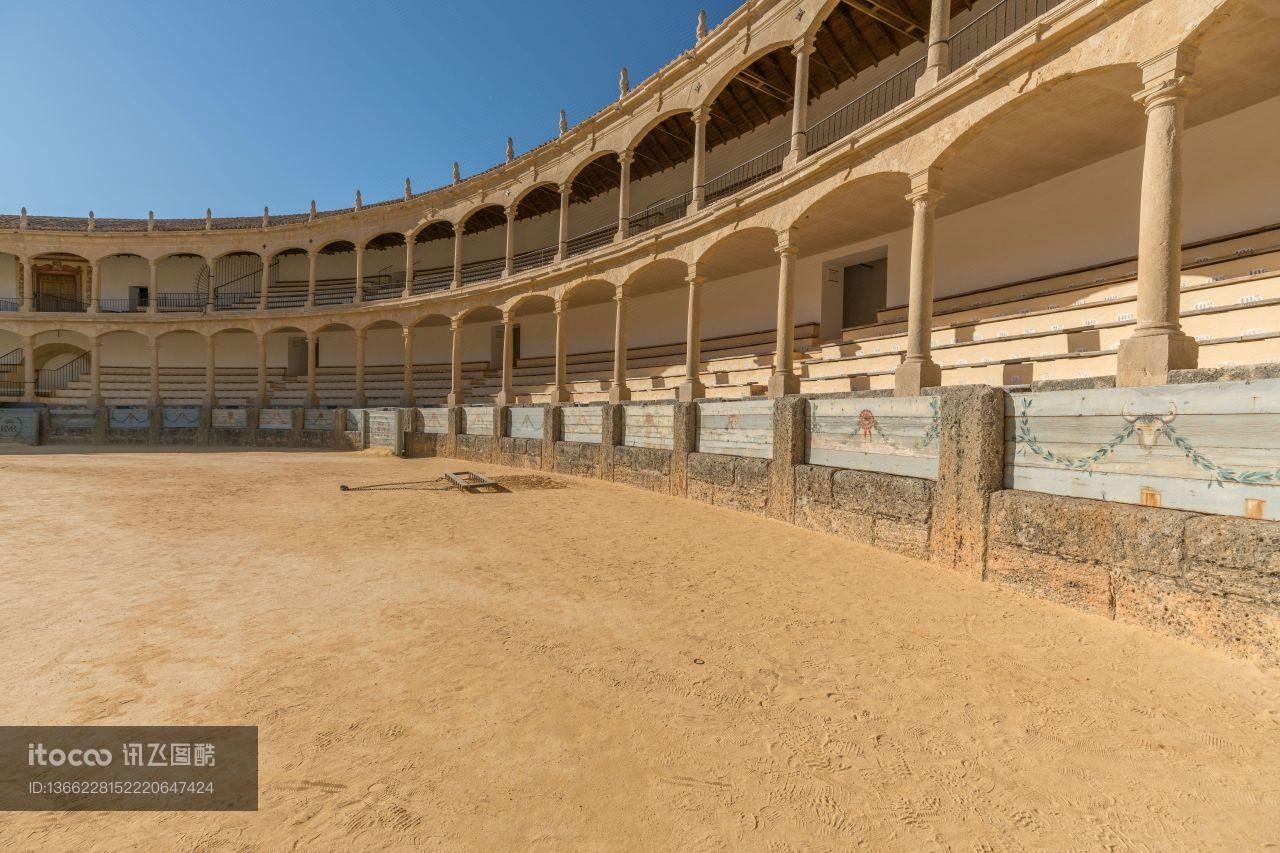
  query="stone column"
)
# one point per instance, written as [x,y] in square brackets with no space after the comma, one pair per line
[211,371]
[263,391]
[456,397]
[938,63]
[407,396]
[312,344]
[361,399]
[409,241]
[213,284]
[457,256]
[784,380]
[790,431]
[95,287]
[359,294]
[560,392]
[509,264]
[562,254]
[625,159]
[28,286]
[312,258]
[153,287]
[265,290]
[971,450]
[802,50]
[95,371]
[505,396]
[692,387]
[619,390]
[155,371]
[1158,344]
[918,370]
[29,369]
[700,117]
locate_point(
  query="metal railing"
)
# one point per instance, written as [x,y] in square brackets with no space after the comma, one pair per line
[293,299]
[592,239]
[535,258]
[659,213]
[11,373]
[377,288]
[753,171]
[431,280]
[10,304]
[50,302]
[483,270]
[342,295]
[994,26]
[122,306]
[180,301]
[865,108]
[58,378]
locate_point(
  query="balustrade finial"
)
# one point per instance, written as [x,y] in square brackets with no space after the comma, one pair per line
[22,220]
[702,24]
[511,149]
[624,82]
[91,220]
[564,123]
[266,216]
[313,210]
[408,189]
[359,203]
[457,172]
[208,219]
[151,220]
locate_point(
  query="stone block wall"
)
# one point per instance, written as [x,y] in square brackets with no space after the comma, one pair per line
[474,448]
[1211,579]
[520,452]
[883,510]
[577,459]
[735,482]
[642,467]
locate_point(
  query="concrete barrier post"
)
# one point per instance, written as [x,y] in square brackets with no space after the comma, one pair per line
[204,432]
[501,414]
[295,429]
[684,441]
[613,430]
[970,467]
[454,418]
[155,423]
[790,426]
[340,429]
[101,422]
[552,429]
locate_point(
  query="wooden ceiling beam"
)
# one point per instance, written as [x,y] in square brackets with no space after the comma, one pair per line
[890,18]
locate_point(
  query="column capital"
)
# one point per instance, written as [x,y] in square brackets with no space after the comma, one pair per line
[925,180]
[361,333]
[508,318]
[806,44]
[701,115]
[787,238]
[360,248]
[925,197]
[626,157]
[406,331]
[620,292]
[695,279]
[455,324]
[559,308]
[511,210]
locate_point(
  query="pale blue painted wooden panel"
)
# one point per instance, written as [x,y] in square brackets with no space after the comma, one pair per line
[79,419]
[1212,448]
[477,420]
[181,417]
[583,423]
[275,419]
[129,417]
[21,425]
[649,425]
[433,421]
[736,428]
[526,421]
[386,429]
[891,435]
[230,418]
[319,420]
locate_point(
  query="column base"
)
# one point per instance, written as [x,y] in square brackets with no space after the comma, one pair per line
[690,391]
[783,385]
[1148,359]
[619,394]
[504,398]
[912,377]
[456,399]
[559,394]
[408,402]
[931,77]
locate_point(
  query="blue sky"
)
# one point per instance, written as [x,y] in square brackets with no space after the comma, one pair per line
[177,106]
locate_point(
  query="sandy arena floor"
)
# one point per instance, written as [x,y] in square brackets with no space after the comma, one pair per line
[432,670]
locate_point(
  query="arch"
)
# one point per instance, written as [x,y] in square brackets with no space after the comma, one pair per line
[386,240]
[1038,135]
[572,179]
[866,207]
[535,187]
[658,275]
[531,303]
[538,200]
[336,326]
[434,318]
[717,89]
[335,247]
[479,314]
[277,328]
[381,323]
[482,217]
[432,229]
[67,342]
[739,252]
[591,291]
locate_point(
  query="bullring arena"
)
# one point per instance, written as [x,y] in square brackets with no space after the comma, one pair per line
[883,411]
